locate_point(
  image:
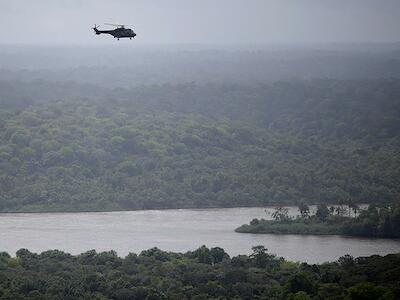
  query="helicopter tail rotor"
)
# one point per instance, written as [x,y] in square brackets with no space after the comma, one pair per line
[95,29]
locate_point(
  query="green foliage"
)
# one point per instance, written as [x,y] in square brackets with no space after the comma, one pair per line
[156,274]
[383,221]
[299,282]
[291,227]
[368,291]
[281,214]
[322,212]
[198,145]
[304,210]
[299,296]
[262,259]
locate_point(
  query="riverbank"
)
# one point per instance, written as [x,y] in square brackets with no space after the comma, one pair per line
[41,210]
[272,227]
[374,222]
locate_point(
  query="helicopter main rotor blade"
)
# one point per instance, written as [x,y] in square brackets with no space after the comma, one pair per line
[114,24]
[119,25]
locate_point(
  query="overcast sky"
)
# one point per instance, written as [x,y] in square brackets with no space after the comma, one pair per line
[201,21]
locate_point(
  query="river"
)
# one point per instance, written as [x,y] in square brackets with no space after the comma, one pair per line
[173,230]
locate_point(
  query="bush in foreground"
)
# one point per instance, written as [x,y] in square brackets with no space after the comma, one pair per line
[200,274]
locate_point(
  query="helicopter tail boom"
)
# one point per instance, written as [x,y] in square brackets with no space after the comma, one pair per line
[98,32]
[95,28]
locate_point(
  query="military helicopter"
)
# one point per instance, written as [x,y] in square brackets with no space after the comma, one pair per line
[118,33]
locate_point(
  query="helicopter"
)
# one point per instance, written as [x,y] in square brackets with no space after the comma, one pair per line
[119,32]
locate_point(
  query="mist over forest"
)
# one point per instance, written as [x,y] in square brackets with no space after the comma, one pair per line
[161,127]
[126,67]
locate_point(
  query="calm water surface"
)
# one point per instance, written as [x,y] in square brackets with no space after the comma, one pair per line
[173,230]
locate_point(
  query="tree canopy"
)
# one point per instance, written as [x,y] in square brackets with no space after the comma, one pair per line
[72,147]
[201,274]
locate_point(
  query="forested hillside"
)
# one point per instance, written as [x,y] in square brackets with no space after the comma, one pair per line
[69,147]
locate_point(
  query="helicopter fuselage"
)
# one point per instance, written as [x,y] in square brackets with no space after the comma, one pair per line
[117,33]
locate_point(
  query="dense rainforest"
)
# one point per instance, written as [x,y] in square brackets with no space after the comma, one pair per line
[70,147]
[200,274]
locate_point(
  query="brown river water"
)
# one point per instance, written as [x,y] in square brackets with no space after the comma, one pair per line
[174,230]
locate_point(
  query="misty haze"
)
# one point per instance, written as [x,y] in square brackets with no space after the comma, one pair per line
[200,149]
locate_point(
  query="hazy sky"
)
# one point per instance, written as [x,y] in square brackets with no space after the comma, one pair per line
[201,21]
